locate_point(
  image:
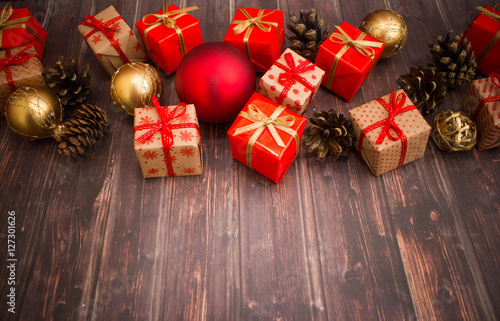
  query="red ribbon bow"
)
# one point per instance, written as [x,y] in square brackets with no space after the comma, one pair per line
[107,30]
[495,80]
[292,75]
[19,58]
[167,137]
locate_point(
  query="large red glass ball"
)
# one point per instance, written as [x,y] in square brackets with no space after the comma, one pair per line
[218,79]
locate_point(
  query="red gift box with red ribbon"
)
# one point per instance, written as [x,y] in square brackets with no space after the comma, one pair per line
[259,34]
[390,132]
[167,140]
[484,37]
[169,35]
[266,137]
[347,57]
[18,28]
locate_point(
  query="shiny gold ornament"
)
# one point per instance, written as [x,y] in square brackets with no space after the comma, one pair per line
[34,112]
[388,27]
[452,131]
[133,85]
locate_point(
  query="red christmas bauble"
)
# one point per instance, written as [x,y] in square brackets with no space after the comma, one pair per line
[218,79]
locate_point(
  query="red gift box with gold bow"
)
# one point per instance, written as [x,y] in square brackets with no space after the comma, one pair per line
[266,137]
[259,34]
[347,57]
[390,132]
[169,35]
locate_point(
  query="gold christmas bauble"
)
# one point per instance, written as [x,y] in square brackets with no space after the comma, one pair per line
[452,131]
[33,112]
[133,85]
[388,27]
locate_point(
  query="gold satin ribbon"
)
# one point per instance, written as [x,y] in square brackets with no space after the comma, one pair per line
[169,22]
[6,24]
[364,47]
[493,41]
[250,23]
[261,122]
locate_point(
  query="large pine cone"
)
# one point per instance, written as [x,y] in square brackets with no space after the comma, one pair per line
[308,33]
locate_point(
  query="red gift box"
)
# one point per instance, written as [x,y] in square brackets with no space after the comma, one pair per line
[347,57]
[266,137]
[259,34]
[18,28]
[484,35]
[169,34]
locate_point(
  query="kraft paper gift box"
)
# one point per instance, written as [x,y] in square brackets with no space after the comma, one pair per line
[292,82]
[170,144]
[390,132]
[111,40]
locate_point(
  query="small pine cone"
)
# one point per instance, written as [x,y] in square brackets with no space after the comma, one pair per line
[79,133]
[454,59]
[308,33]
[424,88]
[71,85]
[330,135]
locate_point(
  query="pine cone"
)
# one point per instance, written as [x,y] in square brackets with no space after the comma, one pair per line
[80,132]
[308,34]
[330,135]
[454,58]
[70,84]
[424,88]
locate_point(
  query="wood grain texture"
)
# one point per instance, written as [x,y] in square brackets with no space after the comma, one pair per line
[96,241]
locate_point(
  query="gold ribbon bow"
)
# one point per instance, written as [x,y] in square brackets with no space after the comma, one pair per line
[261,122]
[6,24]
[168,21]
[364,47]
[495,38]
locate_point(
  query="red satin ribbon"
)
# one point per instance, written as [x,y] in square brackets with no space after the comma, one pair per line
[167,137]
[495,79]
[394,108]
[19,58]
[292,75]
[107,30]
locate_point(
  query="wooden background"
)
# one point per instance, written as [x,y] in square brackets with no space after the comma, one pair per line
[96,241]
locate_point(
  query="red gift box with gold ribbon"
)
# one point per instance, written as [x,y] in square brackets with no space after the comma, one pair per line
[169,35]
[484,37]
[347,57]
[18,28]
[259,34]
[266,137]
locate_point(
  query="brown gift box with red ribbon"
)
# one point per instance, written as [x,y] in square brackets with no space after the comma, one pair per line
[484,37]
[482,105]
[19,28]
[259,34]
[266,137]
[111,39]
[169,35]
[390,132]
[167,140]
[19,67]
[347,57]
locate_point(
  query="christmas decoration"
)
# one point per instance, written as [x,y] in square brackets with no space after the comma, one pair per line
[484,34]
[330,135]
[167,140]
[424,87]
[292,82]
[133,85]
[347,57]
[259,34]
[482,105]
[266,137]
[169,35]
[71,84]
[19,28]
[452,131]
[390,132]
[217,79]
[308,33]
[454,59]
[388,27]
[111,39]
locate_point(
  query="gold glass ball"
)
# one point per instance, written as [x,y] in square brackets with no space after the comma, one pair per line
[452,131]
[388,27]
[133,85]
[33,112]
